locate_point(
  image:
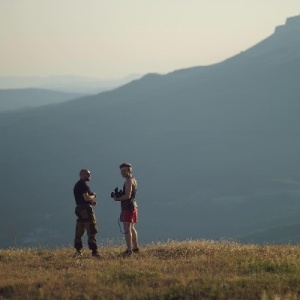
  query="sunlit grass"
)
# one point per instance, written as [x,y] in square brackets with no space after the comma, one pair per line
[171,270]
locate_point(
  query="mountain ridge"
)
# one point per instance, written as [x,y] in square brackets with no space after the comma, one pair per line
[13,99]
[205,144]
[72,83]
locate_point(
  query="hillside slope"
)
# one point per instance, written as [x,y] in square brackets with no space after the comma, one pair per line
[215,150]
[187,270]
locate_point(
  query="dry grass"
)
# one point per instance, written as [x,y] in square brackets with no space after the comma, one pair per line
[172,270]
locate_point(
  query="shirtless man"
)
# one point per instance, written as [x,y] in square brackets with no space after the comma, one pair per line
[129,210]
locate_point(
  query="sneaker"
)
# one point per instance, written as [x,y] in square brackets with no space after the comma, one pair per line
[78,253]
[136,250]
[96,254]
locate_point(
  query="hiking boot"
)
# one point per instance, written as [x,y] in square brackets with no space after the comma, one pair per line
[127,253]
[136,250]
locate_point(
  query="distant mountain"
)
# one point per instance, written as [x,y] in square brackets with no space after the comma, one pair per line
[215,150]
[68,84]
[26,98]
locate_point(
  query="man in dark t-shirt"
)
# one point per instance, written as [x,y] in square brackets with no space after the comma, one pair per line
[86,220]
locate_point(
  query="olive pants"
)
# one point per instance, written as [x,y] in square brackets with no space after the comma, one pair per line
[86,222]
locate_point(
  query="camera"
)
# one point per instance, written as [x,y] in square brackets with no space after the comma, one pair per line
[116,193]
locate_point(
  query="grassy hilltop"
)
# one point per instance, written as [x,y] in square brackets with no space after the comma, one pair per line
[172,270]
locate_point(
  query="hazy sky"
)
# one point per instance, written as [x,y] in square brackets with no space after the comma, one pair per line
[114,38]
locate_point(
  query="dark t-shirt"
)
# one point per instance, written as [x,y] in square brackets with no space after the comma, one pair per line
[80,188]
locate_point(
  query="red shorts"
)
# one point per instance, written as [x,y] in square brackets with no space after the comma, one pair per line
[129,216]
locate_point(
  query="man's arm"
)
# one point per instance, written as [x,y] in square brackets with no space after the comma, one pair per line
[89,197]
[128,190]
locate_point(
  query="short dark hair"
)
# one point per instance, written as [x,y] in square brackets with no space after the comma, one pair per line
[82,171]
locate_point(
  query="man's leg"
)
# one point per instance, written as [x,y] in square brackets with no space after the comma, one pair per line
[128,235]
[134,236]
[79,231]
[91,228]
[80,228]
